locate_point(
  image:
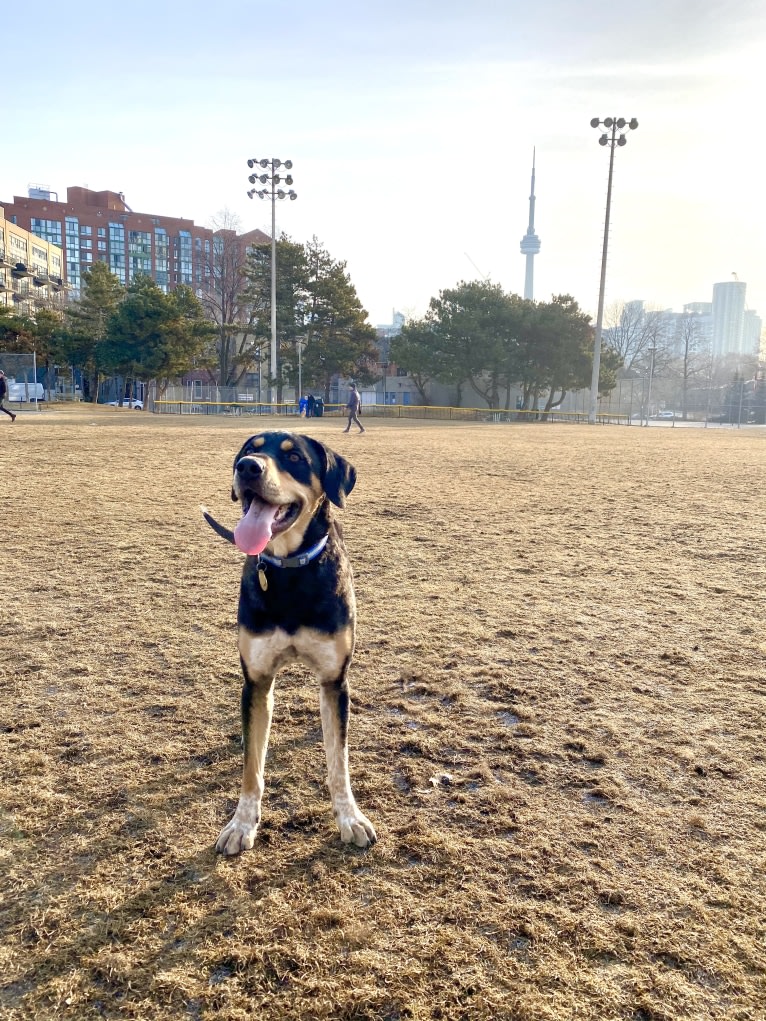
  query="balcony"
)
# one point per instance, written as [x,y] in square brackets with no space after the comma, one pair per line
[20,270]
[5,260]
[39,278]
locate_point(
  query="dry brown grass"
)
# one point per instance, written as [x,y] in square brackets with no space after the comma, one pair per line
[558,732]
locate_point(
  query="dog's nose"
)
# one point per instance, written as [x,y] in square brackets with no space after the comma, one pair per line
[249,468]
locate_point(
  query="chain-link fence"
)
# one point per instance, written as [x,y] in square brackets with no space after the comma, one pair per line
[21,373]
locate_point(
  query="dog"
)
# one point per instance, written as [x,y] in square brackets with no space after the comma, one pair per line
[296,603]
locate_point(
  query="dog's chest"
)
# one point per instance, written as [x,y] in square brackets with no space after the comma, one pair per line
[325,654]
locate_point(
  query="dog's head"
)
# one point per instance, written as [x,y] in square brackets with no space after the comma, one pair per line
[281,479]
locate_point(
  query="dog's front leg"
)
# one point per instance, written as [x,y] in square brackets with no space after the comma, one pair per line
[257,707]
[335,703]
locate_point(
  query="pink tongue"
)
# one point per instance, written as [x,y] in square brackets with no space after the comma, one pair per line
[253,530]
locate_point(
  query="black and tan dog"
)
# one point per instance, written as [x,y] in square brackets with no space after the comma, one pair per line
[296,603]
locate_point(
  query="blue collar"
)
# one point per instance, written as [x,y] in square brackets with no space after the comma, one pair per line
[297,561]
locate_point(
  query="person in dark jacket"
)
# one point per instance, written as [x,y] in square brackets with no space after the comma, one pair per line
[3,396]
[353,407]
[310,402]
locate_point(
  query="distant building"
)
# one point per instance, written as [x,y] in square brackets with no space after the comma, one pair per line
[728,318]
[31,270]
[394,385]
[751,332]
[99,226]
[699,308]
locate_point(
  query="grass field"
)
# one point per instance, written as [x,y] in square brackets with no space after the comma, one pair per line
[558,731]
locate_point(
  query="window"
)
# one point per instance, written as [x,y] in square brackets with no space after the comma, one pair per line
[85,230]
[102,246]
[48,230]
[18,248]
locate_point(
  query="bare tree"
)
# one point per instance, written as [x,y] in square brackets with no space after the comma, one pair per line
[693,359]
[633,331]
[226,301]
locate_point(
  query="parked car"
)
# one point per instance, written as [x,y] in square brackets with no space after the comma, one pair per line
[21,392]
[128,402]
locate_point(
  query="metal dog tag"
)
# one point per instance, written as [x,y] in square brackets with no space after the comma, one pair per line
[262,578]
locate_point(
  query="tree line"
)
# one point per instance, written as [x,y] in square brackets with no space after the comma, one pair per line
[474,338]
[479,338]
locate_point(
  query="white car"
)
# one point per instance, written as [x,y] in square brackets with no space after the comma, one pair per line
[128,402]
[21,392]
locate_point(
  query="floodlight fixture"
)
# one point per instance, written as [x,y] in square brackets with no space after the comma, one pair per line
[271,179]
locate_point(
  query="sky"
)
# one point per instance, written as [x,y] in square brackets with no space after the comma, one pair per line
[411,127]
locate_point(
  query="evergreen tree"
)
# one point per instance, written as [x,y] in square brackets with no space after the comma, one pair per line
[156,336]
[317,306]
[86,323]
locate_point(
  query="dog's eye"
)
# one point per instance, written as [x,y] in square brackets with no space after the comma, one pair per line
[295,457]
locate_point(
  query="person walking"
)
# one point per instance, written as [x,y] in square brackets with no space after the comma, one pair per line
[3,395]
[310,402]
[354,408]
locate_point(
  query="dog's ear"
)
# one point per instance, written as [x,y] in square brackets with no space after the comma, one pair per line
[338,475]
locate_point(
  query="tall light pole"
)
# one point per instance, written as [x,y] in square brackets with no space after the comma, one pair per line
[272,179]
[652,353]
[299,342]
[613,125]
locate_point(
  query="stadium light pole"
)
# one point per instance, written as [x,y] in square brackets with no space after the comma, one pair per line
[613,125]
[652,353]
[272,179]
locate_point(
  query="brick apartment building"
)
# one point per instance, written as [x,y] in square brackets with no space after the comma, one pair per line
[99,226]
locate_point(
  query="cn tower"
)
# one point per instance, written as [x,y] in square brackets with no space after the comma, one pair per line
[530,243]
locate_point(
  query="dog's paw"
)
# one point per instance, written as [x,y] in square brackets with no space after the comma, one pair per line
[356,828]
[236,837]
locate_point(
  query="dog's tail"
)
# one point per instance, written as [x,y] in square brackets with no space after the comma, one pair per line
[222,530]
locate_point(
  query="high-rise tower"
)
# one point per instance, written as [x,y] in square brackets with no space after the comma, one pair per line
[728,317]
[530,243]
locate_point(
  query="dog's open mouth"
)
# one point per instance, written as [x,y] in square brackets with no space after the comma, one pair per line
[261,521]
